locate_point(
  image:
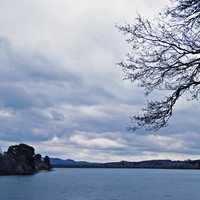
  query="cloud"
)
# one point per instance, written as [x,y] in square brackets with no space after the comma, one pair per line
[88,146]
[165,142]
[62,91]
[92,141]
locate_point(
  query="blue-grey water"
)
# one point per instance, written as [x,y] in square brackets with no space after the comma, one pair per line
[103,184]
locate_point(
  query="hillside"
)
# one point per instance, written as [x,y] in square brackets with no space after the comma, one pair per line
[159,164]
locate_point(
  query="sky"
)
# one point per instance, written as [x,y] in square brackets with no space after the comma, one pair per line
[62,91]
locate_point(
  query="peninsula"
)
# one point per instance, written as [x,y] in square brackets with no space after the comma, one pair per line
[22,160]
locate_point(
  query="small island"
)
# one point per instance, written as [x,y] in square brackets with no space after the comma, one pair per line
[22,160]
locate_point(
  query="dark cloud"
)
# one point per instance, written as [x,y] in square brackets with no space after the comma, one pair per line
[61,90]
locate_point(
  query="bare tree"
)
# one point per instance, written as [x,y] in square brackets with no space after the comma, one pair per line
[165,55]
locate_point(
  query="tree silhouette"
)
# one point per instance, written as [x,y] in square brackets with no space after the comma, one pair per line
[165,55]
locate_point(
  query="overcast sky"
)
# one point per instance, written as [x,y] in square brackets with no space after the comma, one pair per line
[62,91]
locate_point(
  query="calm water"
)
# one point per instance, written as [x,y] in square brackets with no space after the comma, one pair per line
[103,184]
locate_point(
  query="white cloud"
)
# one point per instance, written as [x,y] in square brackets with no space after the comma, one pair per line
[96,141]
[6,114]
[166,141]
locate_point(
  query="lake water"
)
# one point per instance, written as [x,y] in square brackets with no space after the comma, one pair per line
[103,184]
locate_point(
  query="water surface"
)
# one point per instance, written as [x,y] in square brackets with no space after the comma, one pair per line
[103,184]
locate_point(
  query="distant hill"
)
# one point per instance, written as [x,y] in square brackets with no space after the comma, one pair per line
[57,162]
[159,164]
